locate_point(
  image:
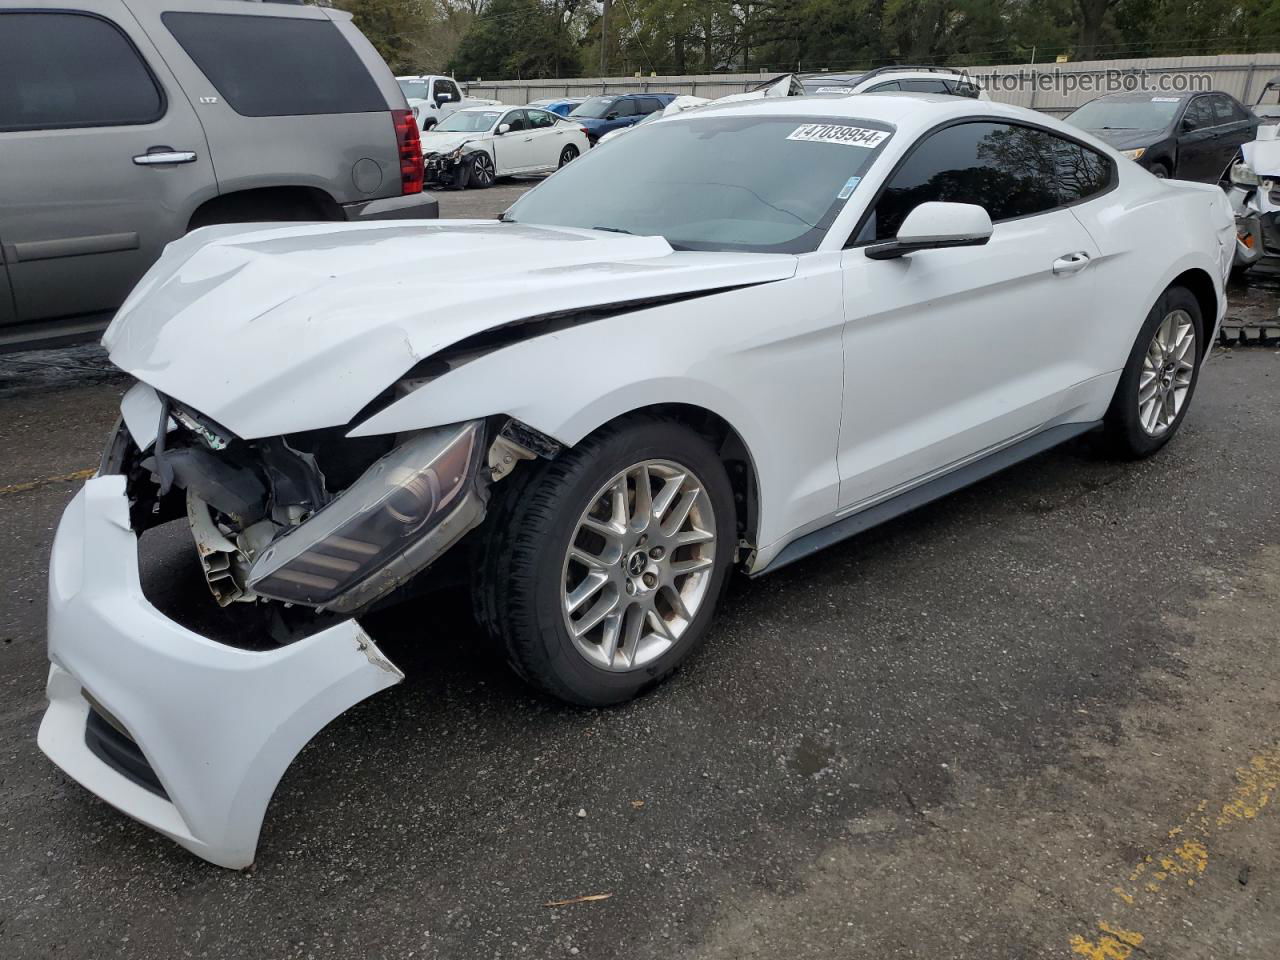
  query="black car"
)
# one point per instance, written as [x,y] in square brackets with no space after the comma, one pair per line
[1190,136]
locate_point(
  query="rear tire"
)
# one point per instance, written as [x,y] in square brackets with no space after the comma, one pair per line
[536,596]
[1159,378]
[568,154]
[1159,170]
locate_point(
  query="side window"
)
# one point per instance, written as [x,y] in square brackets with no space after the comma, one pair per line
[1080,172]
[885,87]
[625,107]
[60,70]
[540,119]
[1239,112]
[451,88]
[277,66]
[1223,110]
[517,120]
[1199,114]
[1006,169]
[924,86]
[650,105]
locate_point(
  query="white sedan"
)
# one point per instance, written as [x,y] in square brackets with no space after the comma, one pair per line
[474,146]
[730,340]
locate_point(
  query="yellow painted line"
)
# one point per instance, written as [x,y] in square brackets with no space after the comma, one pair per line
[37,484]
[1184,857]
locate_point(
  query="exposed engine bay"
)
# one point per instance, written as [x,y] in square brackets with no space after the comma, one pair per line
[316,520]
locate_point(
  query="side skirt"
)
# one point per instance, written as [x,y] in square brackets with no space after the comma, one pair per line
[934,489]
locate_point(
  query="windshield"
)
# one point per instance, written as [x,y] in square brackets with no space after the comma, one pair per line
[1154,114]
[413,89]
[751,183]
[469,121]
[595,108]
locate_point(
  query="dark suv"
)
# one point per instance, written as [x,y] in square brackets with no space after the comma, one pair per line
[601,115]
[126,123]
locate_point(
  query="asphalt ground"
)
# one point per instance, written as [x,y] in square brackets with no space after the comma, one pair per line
[1035,719]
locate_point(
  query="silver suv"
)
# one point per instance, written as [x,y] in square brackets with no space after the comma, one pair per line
[126,123]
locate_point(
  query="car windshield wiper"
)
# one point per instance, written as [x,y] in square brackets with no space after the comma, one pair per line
[614,230]
[1117,128]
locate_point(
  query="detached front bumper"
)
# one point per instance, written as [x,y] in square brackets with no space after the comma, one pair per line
[197,733]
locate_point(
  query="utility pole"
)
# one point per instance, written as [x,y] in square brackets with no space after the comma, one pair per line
[604,37]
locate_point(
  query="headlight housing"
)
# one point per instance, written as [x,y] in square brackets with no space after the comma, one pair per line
[1134,154]
[401,514]
[1242,174]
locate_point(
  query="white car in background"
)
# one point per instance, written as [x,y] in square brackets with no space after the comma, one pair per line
[729,340]
[903,79]
[474,146]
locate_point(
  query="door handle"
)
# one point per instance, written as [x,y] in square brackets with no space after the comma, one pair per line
[1071,263]
[161,156]
[527,139]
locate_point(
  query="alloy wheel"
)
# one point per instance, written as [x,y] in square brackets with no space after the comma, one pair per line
[483,170]
[568,154]
[1167,370]
[639,565]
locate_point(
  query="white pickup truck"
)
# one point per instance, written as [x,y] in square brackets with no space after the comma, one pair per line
[432,98]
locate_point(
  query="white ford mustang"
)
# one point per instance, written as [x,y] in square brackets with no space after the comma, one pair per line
[733,338]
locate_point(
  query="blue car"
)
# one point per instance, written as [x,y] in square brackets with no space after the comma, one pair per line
[560,106]
[601,115]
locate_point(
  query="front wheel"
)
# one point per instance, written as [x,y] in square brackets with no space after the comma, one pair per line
[1159,378]
[480,171]
[601,573]
[568,154]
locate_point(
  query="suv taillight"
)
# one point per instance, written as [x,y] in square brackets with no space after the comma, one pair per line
[410,147]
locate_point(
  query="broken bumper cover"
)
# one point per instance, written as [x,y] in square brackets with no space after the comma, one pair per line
[216,725]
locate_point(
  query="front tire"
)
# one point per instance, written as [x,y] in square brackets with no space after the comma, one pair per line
[480,172]
[1159,378]
[601,572]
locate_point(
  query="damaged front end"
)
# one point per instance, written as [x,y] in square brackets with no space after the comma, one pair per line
[189,734]
[448,168]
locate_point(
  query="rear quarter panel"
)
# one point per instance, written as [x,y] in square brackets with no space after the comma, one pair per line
[318,150]
[1149,231]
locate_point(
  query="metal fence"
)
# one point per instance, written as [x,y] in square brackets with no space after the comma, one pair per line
[1055,88]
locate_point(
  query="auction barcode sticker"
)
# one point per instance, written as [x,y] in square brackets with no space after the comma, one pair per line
[839,133]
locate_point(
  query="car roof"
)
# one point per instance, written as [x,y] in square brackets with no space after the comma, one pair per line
[489,108]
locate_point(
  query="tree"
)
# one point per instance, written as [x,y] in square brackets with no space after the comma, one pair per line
[518,39]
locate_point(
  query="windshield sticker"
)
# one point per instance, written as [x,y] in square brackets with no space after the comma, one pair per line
[839,133]
[833,89]
[849,186]
[1165,99]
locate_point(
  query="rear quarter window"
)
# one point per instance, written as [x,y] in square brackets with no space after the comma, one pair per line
[277,66]
[60,70]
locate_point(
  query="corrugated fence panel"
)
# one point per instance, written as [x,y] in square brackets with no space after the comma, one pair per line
[1055,88]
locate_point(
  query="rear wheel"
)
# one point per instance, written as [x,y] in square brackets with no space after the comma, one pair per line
[1159,378]
[568,154]
[601,574]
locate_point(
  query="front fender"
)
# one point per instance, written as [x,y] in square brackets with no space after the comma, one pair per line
[766,359]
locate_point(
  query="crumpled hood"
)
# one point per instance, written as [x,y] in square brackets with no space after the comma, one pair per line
[447,142]
[1128,139]
[279,328]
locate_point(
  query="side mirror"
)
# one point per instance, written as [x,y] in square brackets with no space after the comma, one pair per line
[936,226]
[503,128]
[612,116]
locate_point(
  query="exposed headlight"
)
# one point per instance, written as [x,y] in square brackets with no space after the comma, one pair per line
[1242,174]
[1134,154]
[398,517]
